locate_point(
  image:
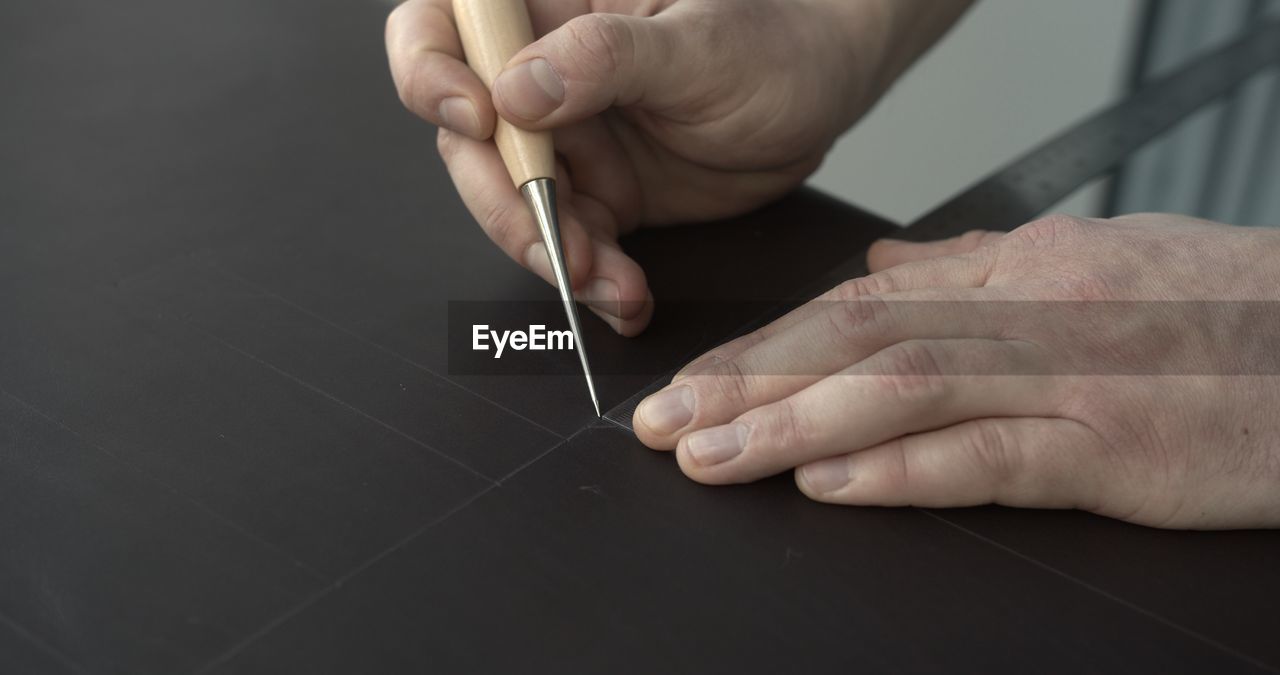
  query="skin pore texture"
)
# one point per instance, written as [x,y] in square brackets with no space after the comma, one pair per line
[1113,366]
[1118,366]
[663,112]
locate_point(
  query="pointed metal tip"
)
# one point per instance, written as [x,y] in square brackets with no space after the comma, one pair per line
[540,195]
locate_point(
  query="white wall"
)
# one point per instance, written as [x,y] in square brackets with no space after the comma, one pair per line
[1011,74]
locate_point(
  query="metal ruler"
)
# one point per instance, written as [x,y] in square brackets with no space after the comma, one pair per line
[1046,175]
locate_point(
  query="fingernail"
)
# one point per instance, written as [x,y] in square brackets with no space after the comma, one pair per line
[457,114]
[668,411]
[716,446]
[531,90]
[826,476]
[603,294]
[535,258]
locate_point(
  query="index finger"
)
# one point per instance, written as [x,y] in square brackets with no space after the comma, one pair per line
[948,272]
[430,70]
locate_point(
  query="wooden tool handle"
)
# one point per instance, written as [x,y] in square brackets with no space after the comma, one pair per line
[492,31]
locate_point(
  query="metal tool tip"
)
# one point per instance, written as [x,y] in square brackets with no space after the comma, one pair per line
[540,195]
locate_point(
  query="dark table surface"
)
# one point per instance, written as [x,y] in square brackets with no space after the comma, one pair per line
[230,441]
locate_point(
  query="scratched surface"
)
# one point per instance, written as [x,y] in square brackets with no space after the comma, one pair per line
[230,441]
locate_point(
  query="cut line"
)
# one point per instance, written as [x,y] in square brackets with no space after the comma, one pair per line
[336,584]
[933,227]
[316,574]
[512,474]
[43,646]
[1150,614]
[311,387]
[324,592]
[383,348]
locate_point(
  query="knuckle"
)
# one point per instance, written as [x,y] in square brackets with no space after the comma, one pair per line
[778,425]
[409,57]
[913,357]
[1048,231]
[873,284]
[991,447]
[851,319]
[894,478]
[730,382]
[421,78]
[910,371]
[496,221]
[705,364]
[784,426]
[602,40]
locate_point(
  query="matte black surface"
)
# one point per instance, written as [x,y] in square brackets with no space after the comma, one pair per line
[324,356]
[294,465]
[601,558]
[20,653]
[116,571]
[230,440]
[1222,585]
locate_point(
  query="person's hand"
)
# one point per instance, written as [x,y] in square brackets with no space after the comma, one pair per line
[664,112]
[1128,367]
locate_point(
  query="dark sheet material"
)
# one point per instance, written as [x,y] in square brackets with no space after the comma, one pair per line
[230,441]
[602,560]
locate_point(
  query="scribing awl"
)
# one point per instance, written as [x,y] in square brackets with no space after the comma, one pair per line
[492,31]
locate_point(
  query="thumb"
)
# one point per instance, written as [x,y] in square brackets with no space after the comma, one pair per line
[591,63]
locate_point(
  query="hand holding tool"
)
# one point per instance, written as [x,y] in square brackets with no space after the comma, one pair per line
[492,31]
